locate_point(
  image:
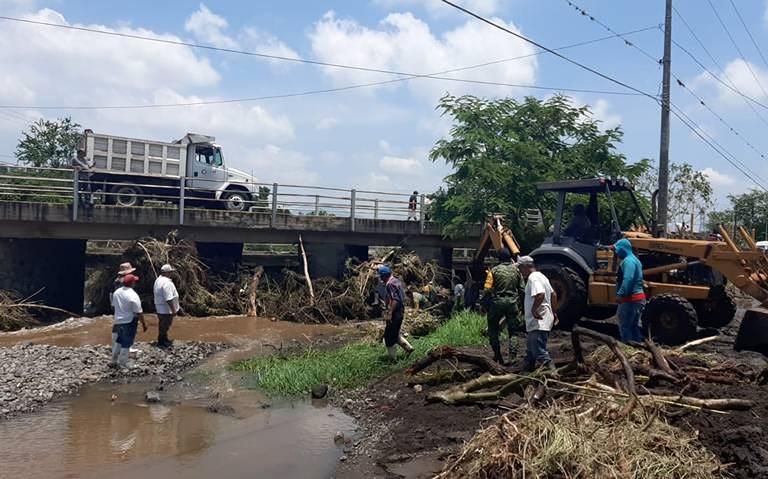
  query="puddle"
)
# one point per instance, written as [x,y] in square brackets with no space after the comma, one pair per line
[91,435]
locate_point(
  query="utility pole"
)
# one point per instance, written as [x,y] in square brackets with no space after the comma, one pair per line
[664,149]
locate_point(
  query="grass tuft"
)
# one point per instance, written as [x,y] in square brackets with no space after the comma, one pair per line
[356,364]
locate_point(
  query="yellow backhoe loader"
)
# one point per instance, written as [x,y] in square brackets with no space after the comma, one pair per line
[685,279]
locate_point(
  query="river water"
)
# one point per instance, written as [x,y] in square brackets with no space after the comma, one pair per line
[109,430]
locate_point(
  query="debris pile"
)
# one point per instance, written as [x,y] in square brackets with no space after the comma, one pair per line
[621,394]
[353,298]
[16,313]
[254,293]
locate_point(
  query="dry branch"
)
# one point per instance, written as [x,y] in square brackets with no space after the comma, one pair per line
[447,352]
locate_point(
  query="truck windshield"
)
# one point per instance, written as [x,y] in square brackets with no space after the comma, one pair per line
[209,155]
[218,160]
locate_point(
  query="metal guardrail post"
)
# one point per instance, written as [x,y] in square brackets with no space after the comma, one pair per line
[317,205]
[273,221]
[421,214]
[182,187]
[76,192]
[376,209]
[352,212]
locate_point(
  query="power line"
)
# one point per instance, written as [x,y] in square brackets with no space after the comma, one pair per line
[553,52]
[404,77]
[746,29]
[306,93]
[689,123]
[743,58]
[730,85]
[682,85]
[252,53]
[712,143]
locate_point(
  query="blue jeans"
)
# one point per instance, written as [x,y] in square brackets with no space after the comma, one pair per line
[536,351]
[629,320]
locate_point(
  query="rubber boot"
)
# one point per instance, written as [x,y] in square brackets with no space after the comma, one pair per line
[405,345]
[115,351]
[392,351]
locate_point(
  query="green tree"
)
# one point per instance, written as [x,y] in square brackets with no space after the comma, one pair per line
[499,150]
[690,194]
[49,143]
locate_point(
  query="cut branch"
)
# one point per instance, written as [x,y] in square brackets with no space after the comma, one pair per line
[447,352]
[306,272]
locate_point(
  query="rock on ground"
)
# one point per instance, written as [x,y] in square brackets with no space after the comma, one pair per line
[31,375]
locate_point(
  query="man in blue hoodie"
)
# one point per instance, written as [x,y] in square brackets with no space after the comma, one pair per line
[629,292]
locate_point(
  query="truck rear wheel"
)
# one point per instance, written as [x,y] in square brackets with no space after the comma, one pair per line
[718,309]
[671,319]
[571,293]
[236,200]
[126,194]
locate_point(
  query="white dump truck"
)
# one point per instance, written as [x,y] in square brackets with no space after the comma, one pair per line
[127,171]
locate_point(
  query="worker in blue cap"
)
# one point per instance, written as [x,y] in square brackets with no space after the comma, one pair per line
[395,312]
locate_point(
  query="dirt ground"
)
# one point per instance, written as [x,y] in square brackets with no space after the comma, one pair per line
[402,436]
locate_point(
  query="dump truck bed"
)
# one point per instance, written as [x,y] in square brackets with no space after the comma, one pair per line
[120,155]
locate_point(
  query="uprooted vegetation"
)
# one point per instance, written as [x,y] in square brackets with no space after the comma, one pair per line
[603,414]
[15,313]
[255,293]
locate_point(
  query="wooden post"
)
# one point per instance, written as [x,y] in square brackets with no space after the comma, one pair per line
[306,271]
[182,185]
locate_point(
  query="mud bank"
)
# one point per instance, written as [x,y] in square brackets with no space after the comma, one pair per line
[31,375]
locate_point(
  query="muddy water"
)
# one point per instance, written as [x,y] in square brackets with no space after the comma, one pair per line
[234,330]
[94,436]
[91,435]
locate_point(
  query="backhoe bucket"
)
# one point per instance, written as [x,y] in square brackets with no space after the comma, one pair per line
[753,333]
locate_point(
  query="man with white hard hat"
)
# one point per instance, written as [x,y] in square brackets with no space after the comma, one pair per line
[166,304]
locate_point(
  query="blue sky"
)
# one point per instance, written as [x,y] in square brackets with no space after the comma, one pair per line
[372,137]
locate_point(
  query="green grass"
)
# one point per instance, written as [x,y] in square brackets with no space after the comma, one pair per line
[356,364]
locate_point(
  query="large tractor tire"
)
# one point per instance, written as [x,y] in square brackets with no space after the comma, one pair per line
[671,319]
[571,293]
[718,309]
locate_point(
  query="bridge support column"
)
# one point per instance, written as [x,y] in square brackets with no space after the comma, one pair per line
[55,269]
[221,257]
[327,259]
[442,254]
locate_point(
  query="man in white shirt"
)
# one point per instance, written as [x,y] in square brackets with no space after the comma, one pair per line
[166,304]
[539,306]
[128,314]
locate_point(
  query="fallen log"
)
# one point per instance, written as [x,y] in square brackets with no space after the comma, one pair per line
[447,352]
[440,377]
[712,404]
[611,342]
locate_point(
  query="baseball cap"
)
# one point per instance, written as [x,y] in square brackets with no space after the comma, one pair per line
[166,268]
[130,280]
[525,261]
[384,270]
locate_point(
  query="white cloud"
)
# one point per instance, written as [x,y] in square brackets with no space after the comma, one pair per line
[739,76]
[601,110]
[400,166]
[58,66]
[266,43]
[326,123]
[209,27]
[436,8]
[717,178]
[402,42]
[274,163]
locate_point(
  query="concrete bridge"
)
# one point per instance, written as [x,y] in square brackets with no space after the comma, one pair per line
[43,245]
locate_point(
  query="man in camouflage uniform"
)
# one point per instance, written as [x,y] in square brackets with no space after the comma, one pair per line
[505,288]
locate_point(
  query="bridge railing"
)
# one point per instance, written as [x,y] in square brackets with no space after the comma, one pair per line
[81,189]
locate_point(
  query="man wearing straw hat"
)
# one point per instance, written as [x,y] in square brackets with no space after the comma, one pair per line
[122,270]
[166,304]
[128,314]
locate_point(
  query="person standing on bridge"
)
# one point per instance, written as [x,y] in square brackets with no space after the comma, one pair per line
[128,315]
[505,288]
[395,313]
[166,304]
[413,206]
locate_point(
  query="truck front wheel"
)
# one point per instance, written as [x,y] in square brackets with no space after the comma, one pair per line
[236,200]
[126,194]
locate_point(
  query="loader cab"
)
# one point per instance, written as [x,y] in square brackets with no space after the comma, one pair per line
[586,218]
